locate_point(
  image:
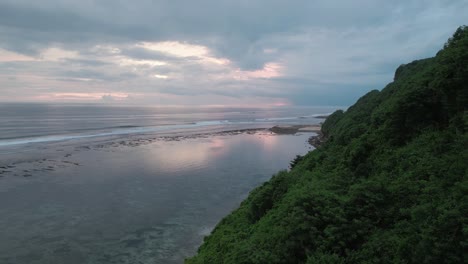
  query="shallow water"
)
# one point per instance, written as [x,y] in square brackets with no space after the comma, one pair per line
[130,200]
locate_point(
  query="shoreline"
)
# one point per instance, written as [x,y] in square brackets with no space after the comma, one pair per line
[167,136]
[60,154]
[315,140]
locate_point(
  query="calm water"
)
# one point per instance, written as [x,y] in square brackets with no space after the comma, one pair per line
[135,197]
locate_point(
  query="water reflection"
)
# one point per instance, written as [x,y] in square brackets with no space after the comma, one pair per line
[269,142]
[146,204]
[176,157]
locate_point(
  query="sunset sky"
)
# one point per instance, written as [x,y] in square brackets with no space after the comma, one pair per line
[214,52]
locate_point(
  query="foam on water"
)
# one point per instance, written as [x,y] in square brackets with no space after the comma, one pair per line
[32,124]
[123,131]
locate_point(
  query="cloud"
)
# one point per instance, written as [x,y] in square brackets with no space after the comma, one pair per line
[215,52]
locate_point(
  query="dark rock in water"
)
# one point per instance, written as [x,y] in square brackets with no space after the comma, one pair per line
[317,140]
[27,175]
[294,129]
[321,116]
[284,130]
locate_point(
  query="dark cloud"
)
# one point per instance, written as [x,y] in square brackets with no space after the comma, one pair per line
[86,62]
[323,46]
[85,74]
[234,28]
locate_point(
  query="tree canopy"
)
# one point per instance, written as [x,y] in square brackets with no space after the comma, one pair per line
[388,186]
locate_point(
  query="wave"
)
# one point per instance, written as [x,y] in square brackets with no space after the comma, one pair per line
[130,129]
[213,122]
[118,130]
[322,115]
[269,119]
[277,118]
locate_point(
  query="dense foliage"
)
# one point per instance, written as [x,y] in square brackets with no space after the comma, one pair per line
[389,185]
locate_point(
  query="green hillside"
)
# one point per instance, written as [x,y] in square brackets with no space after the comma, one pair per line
[389,185]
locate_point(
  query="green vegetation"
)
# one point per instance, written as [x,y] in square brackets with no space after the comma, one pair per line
[389,185]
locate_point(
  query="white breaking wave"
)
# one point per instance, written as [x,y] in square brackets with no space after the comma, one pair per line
[126,131]
[276,119]
[139,130]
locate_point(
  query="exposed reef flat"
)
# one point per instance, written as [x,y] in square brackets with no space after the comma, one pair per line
[60,155]
[293,129]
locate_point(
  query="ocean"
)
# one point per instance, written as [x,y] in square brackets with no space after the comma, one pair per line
[106,184]
[34,123]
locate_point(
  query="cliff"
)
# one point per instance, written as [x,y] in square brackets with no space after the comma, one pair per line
[388,186]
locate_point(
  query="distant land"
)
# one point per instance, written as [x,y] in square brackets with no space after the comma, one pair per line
[389,185]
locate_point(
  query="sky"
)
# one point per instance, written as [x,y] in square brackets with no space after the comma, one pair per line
[214,52]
